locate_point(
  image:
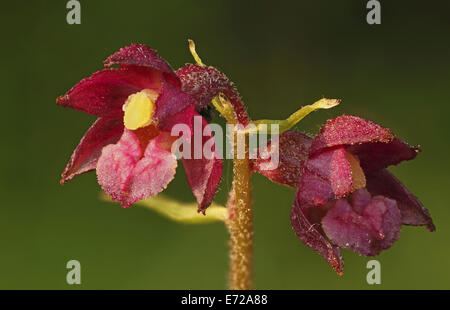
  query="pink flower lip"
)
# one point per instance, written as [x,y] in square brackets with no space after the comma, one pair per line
[132,165]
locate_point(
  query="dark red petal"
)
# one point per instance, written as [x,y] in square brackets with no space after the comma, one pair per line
[311,235]
[139,55]
[360,199]
[203,174]
[349,130]
[292,150]
[413,212]
[186,117]
[84,158]
[204,177]
[170,102]
[207,82]
[375,229]
[325,176]
[314,190]
[128,175]
[376,156]
[104,92]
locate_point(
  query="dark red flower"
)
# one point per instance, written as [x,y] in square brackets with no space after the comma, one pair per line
[136,105]
[345,197]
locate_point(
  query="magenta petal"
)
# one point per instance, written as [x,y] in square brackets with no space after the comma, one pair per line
[368,233]
[314,190]
[310,234]
[325,176]
[203,174]
[413,212]
[170,102]
[376,156]
[154,171]
[333,166]
[186,117]
[139,55]
[105,92]
[115,166]
[349,130]
[127,176]
[103,131]
[207,82]
[360,199]
[293,148]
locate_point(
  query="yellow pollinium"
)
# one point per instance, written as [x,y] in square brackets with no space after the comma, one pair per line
[139,109]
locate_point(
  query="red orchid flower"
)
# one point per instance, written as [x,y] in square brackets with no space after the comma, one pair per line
[345,197]
[137,104]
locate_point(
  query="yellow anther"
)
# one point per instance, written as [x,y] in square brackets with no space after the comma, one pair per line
[139,109]
[359,179]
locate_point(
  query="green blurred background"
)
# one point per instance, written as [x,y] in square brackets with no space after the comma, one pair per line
[281,55]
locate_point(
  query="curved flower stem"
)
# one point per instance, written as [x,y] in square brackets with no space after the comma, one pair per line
[240,222]
[234,103]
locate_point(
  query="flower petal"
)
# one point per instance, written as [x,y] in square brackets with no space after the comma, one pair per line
[325,176]
[205,173]
[413,212]
[204,177]
[84,158]
[292,149]
[368,233]
[207,82]
[170,102]
[310,234]
[349,130]
[104,92]
[127,176]
[376,156]
[139,55]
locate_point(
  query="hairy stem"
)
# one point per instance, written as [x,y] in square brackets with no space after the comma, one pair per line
[240,224]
